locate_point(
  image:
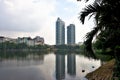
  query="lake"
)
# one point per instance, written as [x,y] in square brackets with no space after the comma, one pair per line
[45,66]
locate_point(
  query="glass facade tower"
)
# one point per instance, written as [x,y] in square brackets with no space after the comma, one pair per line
[71,34]
[60,32]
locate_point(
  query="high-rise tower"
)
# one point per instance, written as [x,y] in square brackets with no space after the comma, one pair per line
[71,34]
[60,32]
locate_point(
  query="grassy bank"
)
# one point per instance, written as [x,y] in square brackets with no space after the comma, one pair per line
[105,72]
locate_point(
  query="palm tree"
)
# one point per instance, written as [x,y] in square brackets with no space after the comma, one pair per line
[94,9]
[107,16]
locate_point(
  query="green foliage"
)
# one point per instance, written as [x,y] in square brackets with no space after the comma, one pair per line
[103,57]
[13,46]
[107,17]
[8,45]
[67,47]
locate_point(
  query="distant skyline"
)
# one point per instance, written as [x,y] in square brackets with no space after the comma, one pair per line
[24,18]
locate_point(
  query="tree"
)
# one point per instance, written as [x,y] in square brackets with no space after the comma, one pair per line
[107,16]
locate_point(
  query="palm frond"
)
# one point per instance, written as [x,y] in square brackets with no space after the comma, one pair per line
[86,0]
[88,10]
[90,16]
[89,38]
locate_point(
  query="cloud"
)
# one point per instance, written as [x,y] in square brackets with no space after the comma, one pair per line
[25,15]
[32,18]
[19,18]
[71,16]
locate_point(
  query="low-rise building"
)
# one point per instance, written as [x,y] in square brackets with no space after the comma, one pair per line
[80,43]
[13,41]
[6,39]
[27,40]
[2,39]
[39,40]
[31,42]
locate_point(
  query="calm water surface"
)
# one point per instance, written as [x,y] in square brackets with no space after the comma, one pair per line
[52,66]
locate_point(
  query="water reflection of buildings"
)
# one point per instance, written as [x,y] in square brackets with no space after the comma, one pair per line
[60,66]
[71,64]
[28,60]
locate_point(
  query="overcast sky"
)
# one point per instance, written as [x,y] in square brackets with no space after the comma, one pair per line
[24,18]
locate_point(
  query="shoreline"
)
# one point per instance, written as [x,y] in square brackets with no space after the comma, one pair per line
[105,72]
